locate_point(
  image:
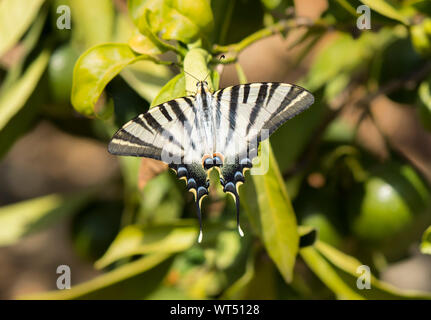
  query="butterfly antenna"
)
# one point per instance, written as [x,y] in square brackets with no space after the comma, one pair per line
[191,75]
[200,221]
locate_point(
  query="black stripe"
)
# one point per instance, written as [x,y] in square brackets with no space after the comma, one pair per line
[122,134]
[181,117]
[291,95]
[274,86]
[204,99]
[246,92]
[165,132]
[218,113]
[257,106]
[176,109]
[281,115]
[139,121]
[233,105]
[165,112]
[152,122]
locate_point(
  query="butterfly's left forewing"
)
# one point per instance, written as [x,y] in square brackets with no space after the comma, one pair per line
[169,132]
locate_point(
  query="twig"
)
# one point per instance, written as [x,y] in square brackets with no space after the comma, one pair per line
[236,48]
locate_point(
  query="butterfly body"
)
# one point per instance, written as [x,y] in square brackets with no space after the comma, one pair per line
[219,130]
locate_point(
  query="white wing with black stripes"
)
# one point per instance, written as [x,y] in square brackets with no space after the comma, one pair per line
[219,130]
[166,132]
[245,115]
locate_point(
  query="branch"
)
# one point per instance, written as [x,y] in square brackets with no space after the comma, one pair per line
[284,25]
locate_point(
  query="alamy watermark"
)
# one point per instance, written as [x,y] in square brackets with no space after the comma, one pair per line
[364,20]
[364,279]
[64,280]
[64,20]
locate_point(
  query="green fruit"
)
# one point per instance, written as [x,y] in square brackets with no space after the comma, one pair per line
[387,202]
[60,73]
[316,208]
[325,230]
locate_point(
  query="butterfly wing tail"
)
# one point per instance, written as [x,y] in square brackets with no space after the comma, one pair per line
[232,176]
[197,183]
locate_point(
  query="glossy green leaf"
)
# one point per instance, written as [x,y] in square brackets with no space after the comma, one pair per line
[161,238]
[426,241]
[93,22]
[186,20]
[135,280]
[23,218]
[15,18]
[12,100]
[196,66]
[143,44]
[183,20]
[134,240]
[387,9]
[146,78]
[327,274]
[271,213]
[346,267]
[27,44]
[175,88]
[93,71]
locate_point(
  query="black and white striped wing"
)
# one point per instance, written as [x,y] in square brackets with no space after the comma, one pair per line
[244,116]
[164,133]
[171,133]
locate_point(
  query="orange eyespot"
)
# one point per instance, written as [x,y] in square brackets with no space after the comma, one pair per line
[216,154]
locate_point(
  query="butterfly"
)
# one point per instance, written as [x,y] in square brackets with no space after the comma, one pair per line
[220,130]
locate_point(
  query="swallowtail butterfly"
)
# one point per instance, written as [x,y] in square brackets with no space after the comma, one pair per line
[219,130]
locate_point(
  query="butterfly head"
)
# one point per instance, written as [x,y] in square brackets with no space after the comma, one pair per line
[202,86]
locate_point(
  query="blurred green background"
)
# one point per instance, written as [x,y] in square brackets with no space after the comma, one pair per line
[348,182]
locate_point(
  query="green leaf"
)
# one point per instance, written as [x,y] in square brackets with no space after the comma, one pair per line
[135,280]
[15,18]
[424,110]
[146,78]
[93,71]
[271,213]
[23,218]
[12,100]
[196,66]
[134,239]
[142,44]
[175,88]
[182,20]
[346,55]
[387,9]
[186,20]
[327,274]
[93,21]
[346,267]
[426,241]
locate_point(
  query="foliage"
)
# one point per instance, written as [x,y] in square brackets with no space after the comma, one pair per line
[149,52]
